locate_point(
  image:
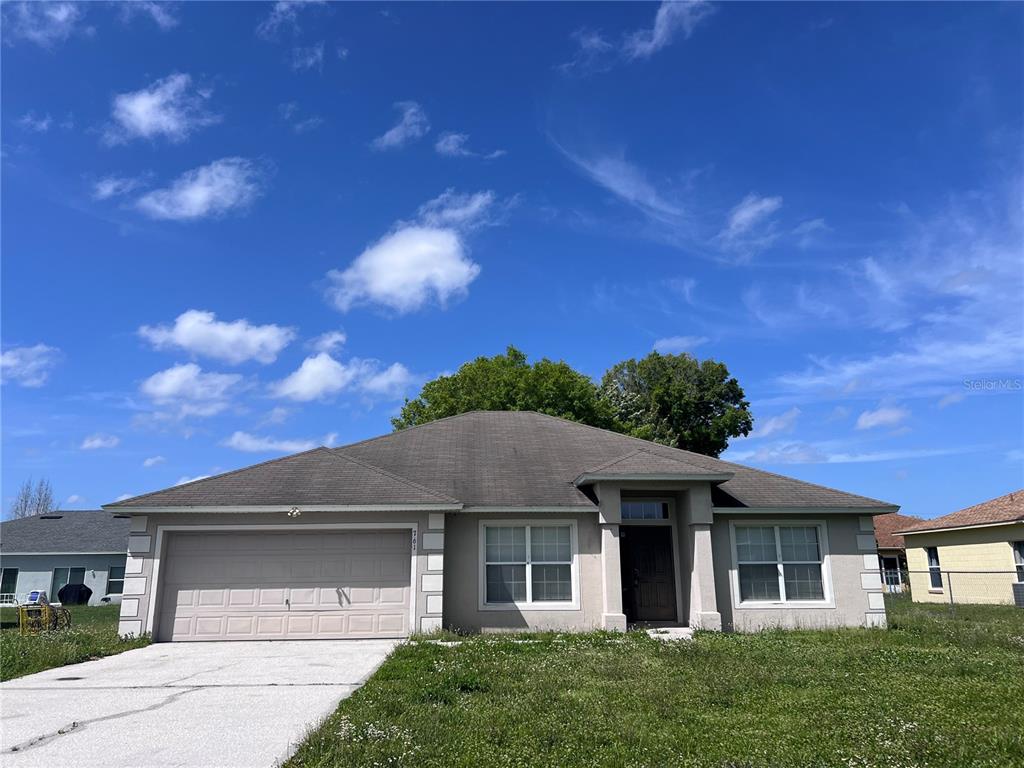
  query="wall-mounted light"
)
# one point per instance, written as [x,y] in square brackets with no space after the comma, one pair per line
[294,512]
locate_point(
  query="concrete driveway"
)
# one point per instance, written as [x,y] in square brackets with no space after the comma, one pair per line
[205,705]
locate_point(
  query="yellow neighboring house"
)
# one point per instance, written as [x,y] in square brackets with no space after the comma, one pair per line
[971,556]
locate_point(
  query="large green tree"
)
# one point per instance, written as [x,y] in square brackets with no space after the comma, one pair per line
[679,401]
[509,383]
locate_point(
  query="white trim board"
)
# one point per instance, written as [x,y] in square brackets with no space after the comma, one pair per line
[154,583]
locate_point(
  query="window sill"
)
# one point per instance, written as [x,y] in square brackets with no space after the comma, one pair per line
[530,607]
[784,605]
[934,591]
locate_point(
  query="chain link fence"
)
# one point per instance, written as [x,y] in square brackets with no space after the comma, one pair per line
[954,588]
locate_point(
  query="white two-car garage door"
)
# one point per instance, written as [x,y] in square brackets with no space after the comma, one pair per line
[268,585]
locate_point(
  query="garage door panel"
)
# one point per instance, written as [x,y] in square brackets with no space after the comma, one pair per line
[265,585]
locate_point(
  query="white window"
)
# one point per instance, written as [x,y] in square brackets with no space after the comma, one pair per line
[528,564]
[115,580]
[781,563]
[1018,559]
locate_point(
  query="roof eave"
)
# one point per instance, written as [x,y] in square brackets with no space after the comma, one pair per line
[958,527]
[588,478]
[271,508]
[872,511]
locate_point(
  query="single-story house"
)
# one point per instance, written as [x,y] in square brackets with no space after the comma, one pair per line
[892,555]
[491,521]
[45,552]
[974,555]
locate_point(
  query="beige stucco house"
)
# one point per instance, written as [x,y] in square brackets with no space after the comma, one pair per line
[493,521]
[974,555]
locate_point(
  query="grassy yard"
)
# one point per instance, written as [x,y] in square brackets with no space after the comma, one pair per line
[93,634]
[933,690]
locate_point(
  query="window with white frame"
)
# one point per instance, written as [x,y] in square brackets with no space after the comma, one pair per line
[115,580]
[1018,559]
[526,564]
[780,563]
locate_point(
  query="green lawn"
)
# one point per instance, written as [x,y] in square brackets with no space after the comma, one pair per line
[933,690]
[93,634]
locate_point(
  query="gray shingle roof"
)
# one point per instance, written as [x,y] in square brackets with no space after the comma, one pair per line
[486,458]
[642,462]
[66,531]
[318,476]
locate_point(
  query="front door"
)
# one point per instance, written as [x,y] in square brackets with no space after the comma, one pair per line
[648,573]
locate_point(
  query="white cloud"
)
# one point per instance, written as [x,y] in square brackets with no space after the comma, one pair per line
[751,211]
[593,53]
[412,125]
[404,270]
[628,182]
[30,121]
[283,13]
[163,13]
[458,210]
[44,24]
[225,185]
[318,377]
[392,383]
[808,453]
[28,366]
[329,341]
[168,108]
[114,186]
[883,416]
[186,479]
[276,415]
[784,422]
[99,440]
[673,345]
[153,461]
[243,441]
[200,333]
[308,57]
[949,399]
[191,391]
[73,499]
[455,145]
[807,232]
[124,496]
[673,17]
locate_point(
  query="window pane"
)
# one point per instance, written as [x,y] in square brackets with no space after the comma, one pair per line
[505,544]
[117,571]
[759,582]
[550,544]
[799,543]
[115,586]
[755,544]
[60,578]
[644,510]
[1018,559]
[9,581]
[803,582]
[933,557]
[77,576]
[552,582]
[506,583]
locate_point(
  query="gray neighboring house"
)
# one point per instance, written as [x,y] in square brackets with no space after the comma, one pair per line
[491,521]
[46,552]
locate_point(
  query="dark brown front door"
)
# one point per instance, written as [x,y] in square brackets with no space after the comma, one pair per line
[648,573]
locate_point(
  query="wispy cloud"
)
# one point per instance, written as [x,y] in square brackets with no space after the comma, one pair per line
[329,341]
[292,114]
[597,53]
[827,453]
[28,366]
[883,416]
[808,233]
[750,227]
[417,262]
[30,121]
[115,186]
[98,441]
[45,24]
[169,108]
[411,126]
[774,425]
[153,461]
[223,186]
[308,57]
[163,14]
[457,145]
[283,14]
[186,479]
[673,345]
[244,441]
[201,333]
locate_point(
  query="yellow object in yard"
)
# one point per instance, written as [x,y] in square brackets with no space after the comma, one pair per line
[33,619]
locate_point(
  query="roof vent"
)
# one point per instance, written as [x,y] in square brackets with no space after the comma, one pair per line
[122,517]
[50,517]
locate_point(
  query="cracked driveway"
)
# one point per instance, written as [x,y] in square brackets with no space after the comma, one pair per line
[201,705]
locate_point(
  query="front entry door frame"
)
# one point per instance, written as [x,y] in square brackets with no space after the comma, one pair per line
[673,531]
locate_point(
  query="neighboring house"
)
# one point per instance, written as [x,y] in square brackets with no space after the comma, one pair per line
[971,556]
[892,554]
[45,552]
[492,521]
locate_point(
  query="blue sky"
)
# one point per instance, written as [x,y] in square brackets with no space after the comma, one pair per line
[236,230]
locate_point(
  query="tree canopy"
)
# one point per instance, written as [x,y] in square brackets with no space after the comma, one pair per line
[675,400]
[509,383]
[33,500]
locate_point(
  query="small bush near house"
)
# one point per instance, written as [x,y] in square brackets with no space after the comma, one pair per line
[936,689]
[93,634]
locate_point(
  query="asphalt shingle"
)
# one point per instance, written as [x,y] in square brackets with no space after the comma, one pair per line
[66,531]
[1003,509]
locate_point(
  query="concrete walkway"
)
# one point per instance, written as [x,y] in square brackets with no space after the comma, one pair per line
[189,705]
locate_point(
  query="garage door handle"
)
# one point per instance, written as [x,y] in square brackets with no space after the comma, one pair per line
[288,603]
